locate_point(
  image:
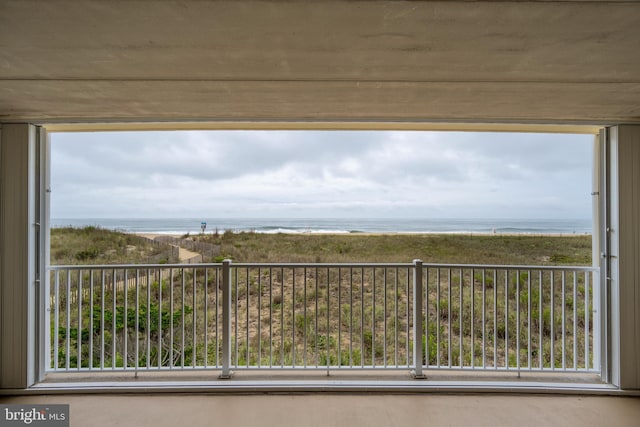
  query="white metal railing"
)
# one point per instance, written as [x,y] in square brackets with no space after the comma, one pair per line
[232,317]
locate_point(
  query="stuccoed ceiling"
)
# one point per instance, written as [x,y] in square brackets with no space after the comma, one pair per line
[415,61]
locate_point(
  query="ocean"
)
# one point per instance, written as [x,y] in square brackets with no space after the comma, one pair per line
[333,225]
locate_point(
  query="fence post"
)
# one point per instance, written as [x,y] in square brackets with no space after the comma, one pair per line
[418,344]
[226,320]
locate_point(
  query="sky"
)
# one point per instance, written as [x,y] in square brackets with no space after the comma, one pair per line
[320,174]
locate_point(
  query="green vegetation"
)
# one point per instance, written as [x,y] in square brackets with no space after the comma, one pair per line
[320,316]
[445,248]
[94,245]
[149,329]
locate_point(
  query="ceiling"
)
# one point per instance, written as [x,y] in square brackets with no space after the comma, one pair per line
[297,61]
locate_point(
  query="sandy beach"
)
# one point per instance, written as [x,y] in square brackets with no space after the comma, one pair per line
[366,234]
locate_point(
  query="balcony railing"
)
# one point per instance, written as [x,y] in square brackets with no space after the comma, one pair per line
[233,317]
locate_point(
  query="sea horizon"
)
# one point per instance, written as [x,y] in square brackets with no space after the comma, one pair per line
[181,226]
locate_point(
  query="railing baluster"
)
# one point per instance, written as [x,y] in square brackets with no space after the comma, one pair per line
[449,316]
[79,340]
[90,319]
[56,321]
[484,320]
[247,283]
[362,318]
[102,303]
[194,311]
[495,318]
[351,317]
[236,334]
[553,331]
[124,320]
[574,322]
[205,313]
[317,350]
[460,318]
[407,316]
[304,308]
[281,317]
[114,316]
[384,311]
[159,318]
[529,298]
[270,316]
[339,317]
[293,319]
[397,318]
[226,320]
[506,320]
[328,332]
[138,321]
[473,300]
[540,321]
[437,317]
[182,317]
[425,317]
[417,320]
[373,318]
[518,321]
[170,316]
[564,338]
[217,314]
[146,281]
[259,333]
[67,315]
[587,338]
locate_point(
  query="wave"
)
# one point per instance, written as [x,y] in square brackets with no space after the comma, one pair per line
[181,226]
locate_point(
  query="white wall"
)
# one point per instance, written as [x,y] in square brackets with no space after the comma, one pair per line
[17,231]
[625,255]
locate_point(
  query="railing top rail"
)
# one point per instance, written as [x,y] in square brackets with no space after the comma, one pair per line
[236,265]
[513,267]
[325,265]
[131,266]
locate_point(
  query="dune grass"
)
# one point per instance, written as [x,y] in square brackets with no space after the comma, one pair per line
[444,248]
[95,245]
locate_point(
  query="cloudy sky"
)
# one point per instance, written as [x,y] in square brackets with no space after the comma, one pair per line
[326,174]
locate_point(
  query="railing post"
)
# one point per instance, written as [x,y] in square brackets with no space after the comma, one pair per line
[418,344]
[226,320]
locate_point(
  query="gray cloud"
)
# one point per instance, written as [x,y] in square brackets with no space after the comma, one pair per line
[305,173]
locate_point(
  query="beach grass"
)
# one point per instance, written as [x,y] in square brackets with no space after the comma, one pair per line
[430,248]
[95,245]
